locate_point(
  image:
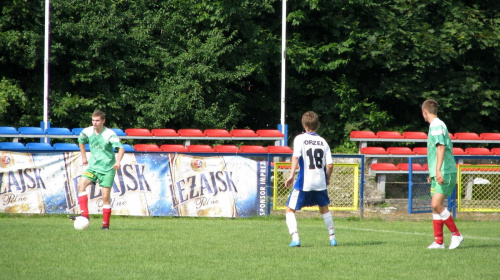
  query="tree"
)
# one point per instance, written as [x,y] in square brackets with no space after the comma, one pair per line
[359,64]
[370,64]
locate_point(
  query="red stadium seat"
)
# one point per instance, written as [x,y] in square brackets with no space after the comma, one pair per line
[200,149]
[217,133]
[389,135]
[478,151]
[226,149]
[400,151]
[490,136]
[495,151]
[138,132]
[164,132]
[190,132]
[243,133]
[459,152]
[452,137]
[414,167]
[279,150]
[173,148]
[269,133]
[373,151]
[363,134]
[414,135]
[467,136]
[147,148]
[426,166]
[384,167]
[254,149]
[420,150]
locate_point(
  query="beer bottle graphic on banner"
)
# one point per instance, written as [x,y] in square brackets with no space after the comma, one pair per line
[128,194]
[202,187]
[74,169]
[21,184]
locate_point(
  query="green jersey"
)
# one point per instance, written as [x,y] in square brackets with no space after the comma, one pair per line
[102,156]
[438,134]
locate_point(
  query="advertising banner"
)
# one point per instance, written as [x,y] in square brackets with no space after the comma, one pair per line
[146,184]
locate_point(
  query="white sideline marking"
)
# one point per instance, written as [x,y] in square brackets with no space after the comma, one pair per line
[415,233]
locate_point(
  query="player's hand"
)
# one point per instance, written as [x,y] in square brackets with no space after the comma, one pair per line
[289,181]
[439,178]
[116,166]
[428,179]
[84,161]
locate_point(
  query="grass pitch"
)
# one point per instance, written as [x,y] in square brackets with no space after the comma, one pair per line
[47,247]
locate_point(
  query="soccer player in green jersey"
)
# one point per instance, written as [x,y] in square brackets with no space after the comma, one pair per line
[102,164]
[442,175]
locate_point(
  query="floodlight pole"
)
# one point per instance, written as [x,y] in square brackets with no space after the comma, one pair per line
[46,68]
[283,57]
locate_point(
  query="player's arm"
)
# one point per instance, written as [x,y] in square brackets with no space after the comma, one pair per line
[329,170]
[295,162]
[83,152]
[121,152]
[439,163]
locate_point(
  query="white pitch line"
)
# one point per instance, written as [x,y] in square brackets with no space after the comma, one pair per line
[415,233]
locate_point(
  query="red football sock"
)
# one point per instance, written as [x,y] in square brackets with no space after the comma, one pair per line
[83,200]
[438,229]
[450,224]
[106,215]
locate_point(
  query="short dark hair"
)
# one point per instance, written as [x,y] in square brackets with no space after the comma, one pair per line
[99,113]
[430,106]
[310,120]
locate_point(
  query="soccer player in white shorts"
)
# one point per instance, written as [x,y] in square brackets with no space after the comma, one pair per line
[312,153]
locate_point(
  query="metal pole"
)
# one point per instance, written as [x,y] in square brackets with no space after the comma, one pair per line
[283,55]
[46,68]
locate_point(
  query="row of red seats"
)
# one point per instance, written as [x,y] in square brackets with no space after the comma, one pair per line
[178,148]
[387,166]
[166,132]
[423,151]
[421,135]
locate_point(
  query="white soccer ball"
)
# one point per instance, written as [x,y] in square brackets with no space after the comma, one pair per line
[81,223]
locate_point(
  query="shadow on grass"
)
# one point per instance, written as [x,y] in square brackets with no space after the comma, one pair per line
[363,243]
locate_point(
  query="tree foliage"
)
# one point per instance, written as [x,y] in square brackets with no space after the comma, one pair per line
[370,64]
[359,64]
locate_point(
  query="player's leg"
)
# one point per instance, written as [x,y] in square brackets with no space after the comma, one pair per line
[437,207]
[106,182]
[293,204]
[106,208]
[323,200]
[445,215]
[85,180]
[328,219]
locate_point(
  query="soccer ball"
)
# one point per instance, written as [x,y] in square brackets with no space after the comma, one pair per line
[81,223]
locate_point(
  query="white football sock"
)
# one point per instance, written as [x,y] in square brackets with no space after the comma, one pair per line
[445,214]
[291,222]
[327,217]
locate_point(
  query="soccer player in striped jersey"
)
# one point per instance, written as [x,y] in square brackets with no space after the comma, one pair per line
[312,154]
[102,164]
[442,175]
